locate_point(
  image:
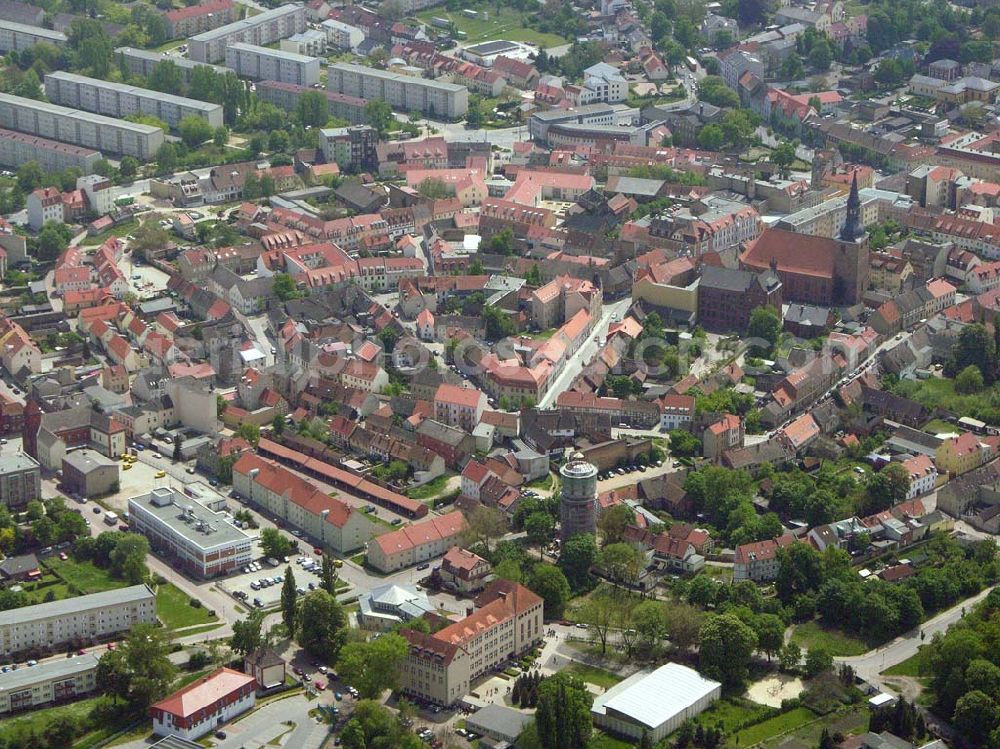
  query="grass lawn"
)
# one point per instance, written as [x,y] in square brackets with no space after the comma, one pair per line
[200,629]
[939,392]
[727,714]
[543,483]
[119,230]
[912,666]
[597,676]
[937,426]
[430,490]
[779,724]
[85,577]
[509,23]
[605,741]
[852,720]
[836,642]
[38,719]
[174,608]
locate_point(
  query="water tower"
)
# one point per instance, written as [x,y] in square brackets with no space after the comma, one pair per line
[578,508]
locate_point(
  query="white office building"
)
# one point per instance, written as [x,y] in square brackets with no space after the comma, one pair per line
[654,702]
[403,92]
[98,616]
[80,128]
[263,64]
[262,29]
[122,100]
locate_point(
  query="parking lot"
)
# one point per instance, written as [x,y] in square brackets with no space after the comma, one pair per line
[263,582]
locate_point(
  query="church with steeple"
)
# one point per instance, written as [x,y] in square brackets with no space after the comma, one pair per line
[828,272]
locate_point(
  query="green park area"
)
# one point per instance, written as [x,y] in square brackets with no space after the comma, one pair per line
[174,608]
[500,22]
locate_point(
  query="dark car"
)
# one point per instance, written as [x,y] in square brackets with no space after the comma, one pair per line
[220,734]
[97,510]
[423,566]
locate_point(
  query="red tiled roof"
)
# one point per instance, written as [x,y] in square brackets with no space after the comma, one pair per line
[204,693]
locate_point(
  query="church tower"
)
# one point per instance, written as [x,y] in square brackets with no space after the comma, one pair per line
[854,226]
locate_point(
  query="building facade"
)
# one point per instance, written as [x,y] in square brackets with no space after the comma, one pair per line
[416,543]
[20,480]
[403,92]
[263,64]
[204,705]
[52,682]
[90,618]
[262,29]
[15,37]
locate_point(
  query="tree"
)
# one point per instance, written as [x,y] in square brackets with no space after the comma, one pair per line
[563,715]
[765,325]
[770,634]
[372,726]
[373,667]
[284,287]
[888,487]
[312,109]
[485,524]
[727,645]
[711,138]
[434,189]
[322,625]
[139,671]
[278,424]
[975,715]
[275,544]
[622,563]
[576,557]
[540,526]
[969,380]
[818,661]
[194,130]
[249,432]
[166,158]
[328,576]
[378,114]
[738,125]
[598,612]
[148,236]
[550,583]
[612,523]
[247,633]
[683,624]
[52,240]
[166,77]
[127,560]
[820,56]
[178,445]
[789,657]
[683,444]
[799,571]
[502,243]
[977,348]
[650,622]
[474,113]
[289,602]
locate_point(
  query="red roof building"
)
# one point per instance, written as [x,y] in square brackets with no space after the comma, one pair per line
[203,705]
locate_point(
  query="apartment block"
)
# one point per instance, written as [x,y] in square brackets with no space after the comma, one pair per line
[415,543]
[263,29]
[403,92]
[194,19]
[20,480]
[286,96]
[441,667]
[350,147]
[143,62]
[263,64]
[87,129]
[192,535]
[15,37]
[98,616]
[54,681]
[121,100]
[51,155]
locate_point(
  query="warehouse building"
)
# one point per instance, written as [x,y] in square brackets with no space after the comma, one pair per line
[654,702]
[263,29]
[89,474]
[72,621]
[263,64]
[403,92]
[20,480]
[51,155]
[16,36]
[55,681]
[121,100]
[143,62]
[198,538]
[105,134]
[286,96]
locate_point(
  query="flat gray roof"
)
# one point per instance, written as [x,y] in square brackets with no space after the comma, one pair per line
[66,606]
[96,119]
[59,668]
[145,93]
[181,62]
[492,48]
[16,462]
[187,517]
[42,33]
[246,23]
[268,52]
[87,460]
[349,67]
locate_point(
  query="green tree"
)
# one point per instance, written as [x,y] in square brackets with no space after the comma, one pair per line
[328,576]
[550,583]
[770,634]
[251,433]
[622,563]
[969,380]
[148,236]
[613,521]
[501,243]
[888,487]
[782,156]
[577,555]
[789,657]
[765,325]
[975,347]
[374,666]
[818,661]
[434,189]
[820,56]
[275,544]
[52,240]
[139,671]
[29,176]
[166,77]
[563,717]
[278,424]
[975,715]
[683,444]
[166,158]
[509,569]
[247,634]
[683,624]
[289,602]
[373,726]
[485,525]
[711,138]
[312,109]
[727,645]
[128,558]
[474,113]
[322,626]
[539,526]
[284,287]
[378,114]
[534,276]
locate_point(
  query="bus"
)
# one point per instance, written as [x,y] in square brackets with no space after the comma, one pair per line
[691,63]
